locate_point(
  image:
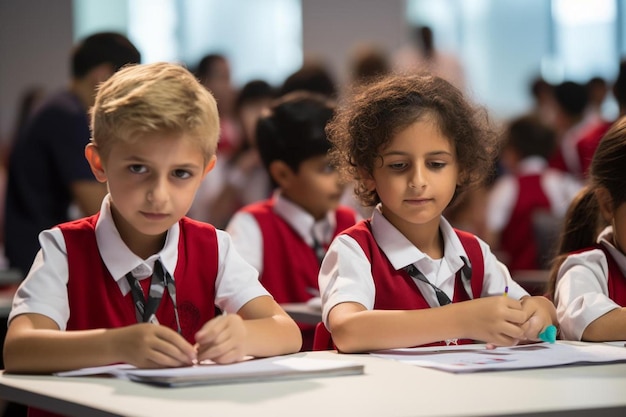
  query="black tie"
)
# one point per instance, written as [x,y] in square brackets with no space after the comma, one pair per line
[413,272]
[320,252]
[161,279]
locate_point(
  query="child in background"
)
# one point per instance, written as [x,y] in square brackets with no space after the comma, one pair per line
[405,277]
[588,277]
[85,301]
[285,236]
[528,187]
[245,179]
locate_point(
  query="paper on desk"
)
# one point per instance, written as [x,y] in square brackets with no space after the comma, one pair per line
[279,367]
[476,358]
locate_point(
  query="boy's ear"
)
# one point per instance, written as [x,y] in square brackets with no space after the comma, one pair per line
[605,203]
[95,162]
[281,173]
[209,166]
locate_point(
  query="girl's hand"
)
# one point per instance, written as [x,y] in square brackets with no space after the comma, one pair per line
[147,345]
[540,312]
[222,339]
[495,320]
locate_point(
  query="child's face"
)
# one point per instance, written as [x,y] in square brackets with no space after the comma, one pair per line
[418,175]
[315,187]
[152,182]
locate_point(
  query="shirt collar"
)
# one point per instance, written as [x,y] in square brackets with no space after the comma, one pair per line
[606,238]
[302,222]
[401,252]
[119,259]
[532,165]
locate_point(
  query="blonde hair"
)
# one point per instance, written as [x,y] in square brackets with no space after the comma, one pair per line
[150,98]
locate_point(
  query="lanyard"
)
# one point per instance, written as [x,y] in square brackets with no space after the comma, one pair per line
[161,279]
[442,297]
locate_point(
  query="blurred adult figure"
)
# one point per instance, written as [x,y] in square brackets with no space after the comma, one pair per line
[422,54]
[48,172]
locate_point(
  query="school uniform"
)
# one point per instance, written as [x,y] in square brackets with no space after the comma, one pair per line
[278,238]
[373,274]
[589,284]
[513,200]
[58,281]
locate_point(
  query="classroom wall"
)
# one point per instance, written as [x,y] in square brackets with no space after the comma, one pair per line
[35,40]
[332,28]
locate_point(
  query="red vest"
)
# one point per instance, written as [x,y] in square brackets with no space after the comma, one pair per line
[616,281]
[518,238]
[290,266]
[396,290]
[95,300]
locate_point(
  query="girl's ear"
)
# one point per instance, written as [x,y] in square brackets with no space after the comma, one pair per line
[281,173]
[367,180]
[95,162]
[605,203]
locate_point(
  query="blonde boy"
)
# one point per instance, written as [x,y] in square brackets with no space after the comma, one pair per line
[85,301]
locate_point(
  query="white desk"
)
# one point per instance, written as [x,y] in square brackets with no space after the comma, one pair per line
[387,389]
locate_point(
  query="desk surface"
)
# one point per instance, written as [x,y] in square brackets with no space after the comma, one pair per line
[387,388]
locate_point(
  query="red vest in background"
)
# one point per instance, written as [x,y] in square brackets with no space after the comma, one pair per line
[290,266]
[396,290]
[518,238]
[95,300]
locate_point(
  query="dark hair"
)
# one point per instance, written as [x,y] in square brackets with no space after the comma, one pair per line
[619,86]
[370,64]
[369,119]
[529,136]
[583,220]
[105,47]
[572,97]
[311,77]
[294,130]
[206,65]
[252,91]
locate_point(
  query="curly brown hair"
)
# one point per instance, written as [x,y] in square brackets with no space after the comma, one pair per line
[368,120]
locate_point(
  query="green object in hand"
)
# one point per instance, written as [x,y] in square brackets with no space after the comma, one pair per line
[548,334]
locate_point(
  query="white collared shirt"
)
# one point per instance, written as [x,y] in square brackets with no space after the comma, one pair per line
[247,237]
[582,292]
[346,275]
[559,187]
[44,291]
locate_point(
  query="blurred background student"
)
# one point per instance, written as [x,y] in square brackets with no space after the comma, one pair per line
[528,189]
[48,172]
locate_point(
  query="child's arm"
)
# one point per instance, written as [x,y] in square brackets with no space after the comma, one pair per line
[34,344]
[495,320]
[540,312]
[610,326]
[260,328]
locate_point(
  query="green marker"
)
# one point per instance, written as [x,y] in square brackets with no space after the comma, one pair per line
[548,334]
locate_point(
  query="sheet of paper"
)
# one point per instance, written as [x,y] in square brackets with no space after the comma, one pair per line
[207,372]
[476,358]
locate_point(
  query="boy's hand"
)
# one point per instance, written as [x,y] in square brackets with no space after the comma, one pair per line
[147,345]
[540,312]
[222,339]
[495,320]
